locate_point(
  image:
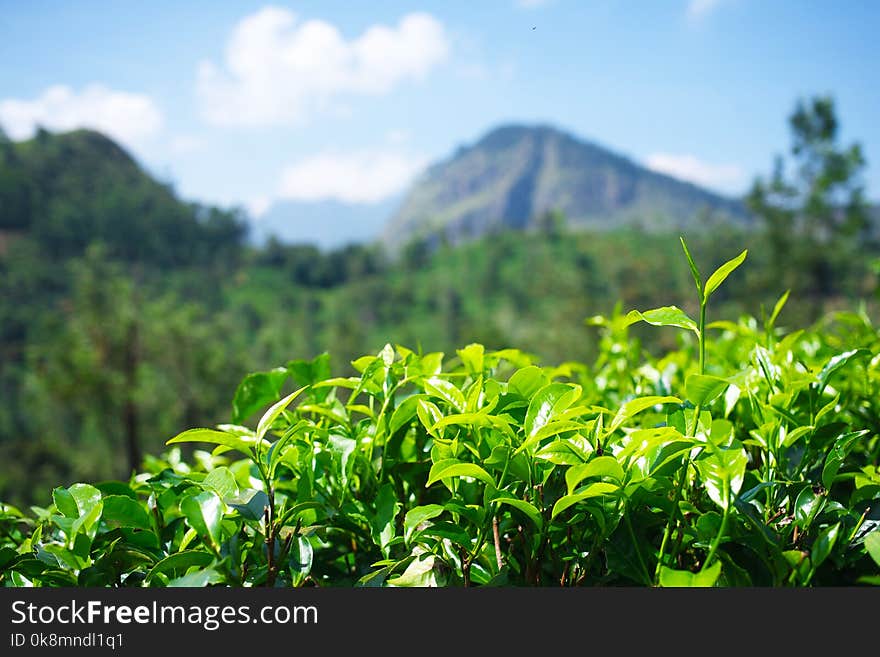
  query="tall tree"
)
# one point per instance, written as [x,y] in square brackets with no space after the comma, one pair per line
[813,207]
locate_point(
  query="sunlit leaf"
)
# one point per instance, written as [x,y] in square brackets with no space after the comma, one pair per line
[453,468]
[720,275]
[204,512]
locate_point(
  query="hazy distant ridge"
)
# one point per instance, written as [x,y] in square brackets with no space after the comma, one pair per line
[517,172]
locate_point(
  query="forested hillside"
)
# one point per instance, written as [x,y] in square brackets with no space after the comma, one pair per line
[127,313]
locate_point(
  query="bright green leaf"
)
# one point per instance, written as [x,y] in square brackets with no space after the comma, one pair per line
[702,389]
[665,316]
[204,512]
[872,546]
[180,561]
[255,391]
[720,274]
[122,511]
[601,466]
[823,544]
[250,503]
[670,578]
[272,414]
[592,490]
[453,468]
[417,515]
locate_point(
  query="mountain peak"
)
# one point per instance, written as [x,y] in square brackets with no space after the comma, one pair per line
[507,134]
[516,172]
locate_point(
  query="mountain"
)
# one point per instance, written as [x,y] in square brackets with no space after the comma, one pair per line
[326,224]
[67,190]
[516,173]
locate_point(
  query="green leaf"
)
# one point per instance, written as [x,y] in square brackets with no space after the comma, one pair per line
[443,389]
[89,506]
[429,414]
[872,546]
[221,481]
[703,389]
[698,280]
[592,490]
[720,274]
[564,452]
[480,419]
[837,455]
[837,362]
[793,436]
[423,571]
[472,358]
[636,406]
[65,503]
[503,497]
[777,309]
[722,470]
[198,578]
[300,560]
[417,515]
[827,408]
[243,444]
[255,391]
[807,506]
[204,512]
[404,413]
[122,511]
[823,544]
[180,561]
[250,503]
[549,400]
[277,452]
[272,414]
[7,556]
[382,523]
[601,466]
[665,316]
[552,428]
[670,578]
[310,373]
[527,381]
[454,468]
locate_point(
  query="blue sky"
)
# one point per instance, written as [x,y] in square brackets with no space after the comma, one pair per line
[250,103]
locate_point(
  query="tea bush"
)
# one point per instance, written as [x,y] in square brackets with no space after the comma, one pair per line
[747,457]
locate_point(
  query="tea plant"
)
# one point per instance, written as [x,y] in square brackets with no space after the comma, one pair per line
[747,457]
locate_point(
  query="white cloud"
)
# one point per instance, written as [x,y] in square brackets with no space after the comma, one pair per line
[532,4]
[358,177]
[128,117]
[699,9]
[279,70]
[724,177]
[257,207]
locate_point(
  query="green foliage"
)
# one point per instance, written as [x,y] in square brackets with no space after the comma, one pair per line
[814,212]
[747,458]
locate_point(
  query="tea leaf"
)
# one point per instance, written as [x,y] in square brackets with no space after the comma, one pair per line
[721,274]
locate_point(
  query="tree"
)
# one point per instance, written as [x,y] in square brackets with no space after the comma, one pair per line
[120,368]
[815,218]
[551,223]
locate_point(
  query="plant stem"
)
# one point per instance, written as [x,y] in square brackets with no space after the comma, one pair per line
[269,516]
[497,536]
[670,523]
[632,536]
[676,498]
[703,337]
[717,540]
